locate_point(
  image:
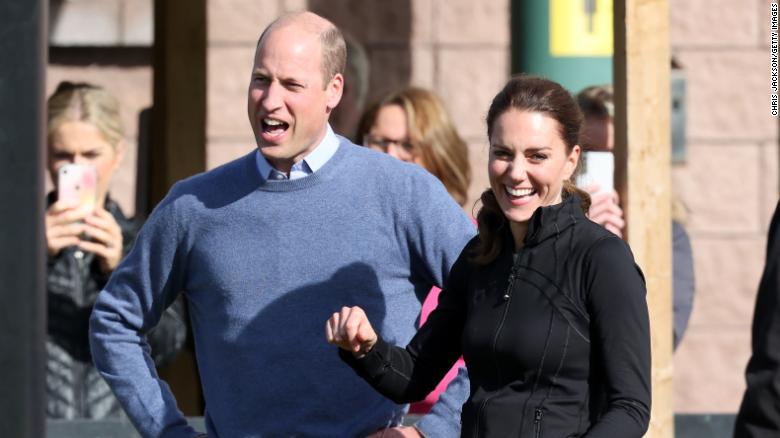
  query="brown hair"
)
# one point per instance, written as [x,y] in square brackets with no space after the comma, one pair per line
[442,151]
[597,101]
[534,94]
[80,101]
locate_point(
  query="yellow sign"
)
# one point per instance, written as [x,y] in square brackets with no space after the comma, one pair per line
[581,27]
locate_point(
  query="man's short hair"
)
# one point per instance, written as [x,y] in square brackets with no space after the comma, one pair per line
[334,53]
[334,49]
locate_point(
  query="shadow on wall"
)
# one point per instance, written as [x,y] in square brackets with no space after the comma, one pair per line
[384,28]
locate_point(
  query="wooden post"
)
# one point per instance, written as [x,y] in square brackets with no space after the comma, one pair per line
[178,135]
[23,255]
[643,175]
[179,111]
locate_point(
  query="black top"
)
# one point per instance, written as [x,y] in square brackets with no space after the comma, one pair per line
[759,414]
[556,342]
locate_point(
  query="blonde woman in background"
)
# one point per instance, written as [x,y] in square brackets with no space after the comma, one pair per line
[84,246]
[412,125]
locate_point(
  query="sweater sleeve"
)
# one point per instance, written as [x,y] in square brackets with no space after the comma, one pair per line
[435,228]
[438,232]
[620,339]
[167,338]
[144,284]
[408,374]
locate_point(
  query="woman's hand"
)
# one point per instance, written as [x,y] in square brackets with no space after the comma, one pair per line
[64,224]
[605,209]
[350,330]
[103,238]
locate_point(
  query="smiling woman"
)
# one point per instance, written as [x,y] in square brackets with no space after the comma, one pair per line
[547,308]
[533,128]
[528,164]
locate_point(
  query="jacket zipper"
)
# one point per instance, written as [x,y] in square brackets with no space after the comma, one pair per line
[538,422]
[508,300]
[507,296]
[512,276]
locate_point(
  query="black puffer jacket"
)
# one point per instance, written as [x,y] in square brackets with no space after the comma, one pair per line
[73,280]
[555,337]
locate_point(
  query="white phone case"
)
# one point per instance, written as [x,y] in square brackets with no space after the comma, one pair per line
[597,168]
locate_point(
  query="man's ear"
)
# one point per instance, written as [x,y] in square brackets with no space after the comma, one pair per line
[334,90]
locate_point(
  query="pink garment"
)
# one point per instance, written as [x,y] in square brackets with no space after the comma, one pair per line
[422,407]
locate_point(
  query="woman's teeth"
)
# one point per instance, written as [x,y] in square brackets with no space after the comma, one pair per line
[520,192]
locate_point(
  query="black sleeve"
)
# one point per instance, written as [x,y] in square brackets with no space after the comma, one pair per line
[759,413]
[409,374]
[620,338]
[167,338]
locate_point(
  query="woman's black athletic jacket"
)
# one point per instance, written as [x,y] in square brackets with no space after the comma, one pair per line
[556,342]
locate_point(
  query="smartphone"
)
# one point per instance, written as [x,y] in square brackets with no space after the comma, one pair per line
[598,167]
[77,184]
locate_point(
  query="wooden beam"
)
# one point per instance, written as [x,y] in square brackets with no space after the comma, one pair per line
[178,122]
[22,259]
[643,174]
[178,140]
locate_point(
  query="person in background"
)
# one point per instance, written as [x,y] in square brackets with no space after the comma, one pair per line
[547,307]
[84,247]
[759,413]
[597,104]
[412,125]
[346,116]
[265,246]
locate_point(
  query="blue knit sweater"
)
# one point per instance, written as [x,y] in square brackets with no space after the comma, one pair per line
[263,265]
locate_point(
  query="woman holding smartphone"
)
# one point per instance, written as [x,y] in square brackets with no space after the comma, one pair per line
[547,307]
[86,238]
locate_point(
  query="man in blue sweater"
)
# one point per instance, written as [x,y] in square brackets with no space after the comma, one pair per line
[267,247]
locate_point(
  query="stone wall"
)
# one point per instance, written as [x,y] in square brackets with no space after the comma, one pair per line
[730,186]
[107,43]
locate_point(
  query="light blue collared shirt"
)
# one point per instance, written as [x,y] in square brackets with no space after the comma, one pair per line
[310,163]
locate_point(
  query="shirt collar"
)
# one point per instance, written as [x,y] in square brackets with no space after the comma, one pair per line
[310,163]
